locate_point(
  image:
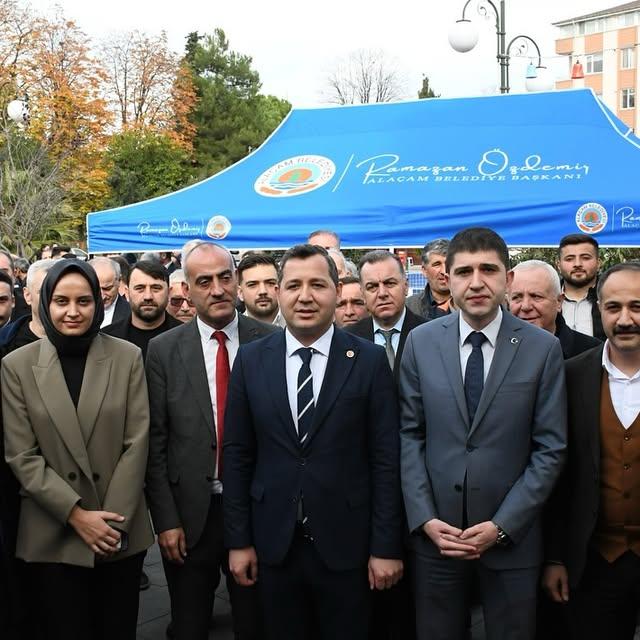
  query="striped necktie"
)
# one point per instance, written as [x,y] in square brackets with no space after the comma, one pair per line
[305,393]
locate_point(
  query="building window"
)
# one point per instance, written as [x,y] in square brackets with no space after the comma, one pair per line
[628,98]
[567,31]
[593,63]
[627,59]
[627,19]
[580,28]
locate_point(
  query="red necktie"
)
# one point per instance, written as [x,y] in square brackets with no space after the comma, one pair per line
[222,382]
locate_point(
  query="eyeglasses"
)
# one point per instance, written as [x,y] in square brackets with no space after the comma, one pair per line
[178,302]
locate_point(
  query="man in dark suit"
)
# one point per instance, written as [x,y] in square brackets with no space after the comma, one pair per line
[593,538]
[535,295]
[312,502]
[385,288]
[116,307]
[187,372]
[483,437]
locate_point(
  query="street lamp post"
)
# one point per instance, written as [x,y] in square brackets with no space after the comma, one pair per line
[463,37]
[18,111]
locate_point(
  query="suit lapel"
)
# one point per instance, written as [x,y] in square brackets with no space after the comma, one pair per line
[589,407]
[407,325]
[274,358]
[507,345]
[94,387]
[342,356]
[450,355]
[194,367]
[246,332]
[55,397]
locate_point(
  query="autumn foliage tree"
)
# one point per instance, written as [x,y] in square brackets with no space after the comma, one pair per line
[149,86]
[69,116]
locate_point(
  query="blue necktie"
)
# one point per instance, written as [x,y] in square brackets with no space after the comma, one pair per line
[474,374]
[305,394]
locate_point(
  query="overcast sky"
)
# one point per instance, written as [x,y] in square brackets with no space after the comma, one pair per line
[294,45]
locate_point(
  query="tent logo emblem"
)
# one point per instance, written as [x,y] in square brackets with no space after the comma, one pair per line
[218,227]
[591,217]
[295,176]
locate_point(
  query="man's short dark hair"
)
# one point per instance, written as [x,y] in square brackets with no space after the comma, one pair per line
[125,268]
[60,249]
[349,280]
[439,246]
[304,251]
[151,268]
[6,278]
[380,255]
[632,265]
[578,238]
[317,232]
[253,259]
[475,239]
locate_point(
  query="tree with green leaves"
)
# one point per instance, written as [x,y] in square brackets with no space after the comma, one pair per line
[31,194]
[426,91]
[144,164]
[231,116]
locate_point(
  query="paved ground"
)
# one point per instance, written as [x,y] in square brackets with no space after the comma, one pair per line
[154,608]
[154,605]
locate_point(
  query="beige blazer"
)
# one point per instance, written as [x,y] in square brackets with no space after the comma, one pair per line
[95,456]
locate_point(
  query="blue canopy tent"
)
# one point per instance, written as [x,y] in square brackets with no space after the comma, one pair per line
[533,167]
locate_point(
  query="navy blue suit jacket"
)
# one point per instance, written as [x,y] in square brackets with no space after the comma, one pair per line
[347,469]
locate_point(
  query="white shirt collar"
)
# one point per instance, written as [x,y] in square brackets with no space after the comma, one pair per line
[321,345]
[397,325]
[490,331]
[206,331]
[611,369]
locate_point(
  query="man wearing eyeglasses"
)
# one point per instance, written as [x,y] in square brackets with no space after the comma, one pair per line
[180,306]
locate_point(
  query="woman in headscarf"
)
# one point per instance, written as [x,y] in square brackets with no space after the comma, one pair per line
[76,422]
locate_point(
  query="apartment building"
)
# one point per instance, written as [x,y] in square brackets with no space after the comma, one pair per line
[603,47]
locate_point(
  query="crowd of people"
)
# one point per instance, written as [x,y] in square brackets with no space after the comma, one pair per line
[356,462]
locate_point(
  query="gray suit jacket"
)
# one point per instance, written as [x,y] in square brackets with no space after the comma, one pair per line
[182,447]
[511,455]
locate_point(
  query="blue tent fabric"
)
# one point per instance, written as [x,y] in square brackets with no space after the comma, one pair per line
[534,167]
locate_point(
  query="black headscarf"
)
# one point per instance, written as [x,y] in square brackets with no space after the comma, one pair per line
[70,345]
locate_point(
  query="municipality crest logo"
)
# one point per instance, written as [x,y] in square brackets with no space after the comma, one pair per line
[218,227]
[591,218]
[295,176]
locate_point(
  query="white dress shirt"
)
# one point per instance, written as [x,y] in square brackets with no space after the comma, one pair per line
[624,390]
[577,314]
[378,338]
[210,352]
[488,346]
[108,315]
[318,367]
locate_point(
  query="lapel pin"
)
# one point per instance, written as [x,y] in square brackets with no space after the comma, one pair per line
[514,340]
[350,353]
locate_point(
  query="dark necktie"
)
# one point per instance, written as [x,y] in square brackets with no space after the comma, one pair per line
[387,334]
[222,382]
[305,393]
[474,374]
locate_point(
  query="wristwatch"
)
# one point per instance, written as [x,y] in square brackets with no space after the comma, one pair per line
[503,540]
